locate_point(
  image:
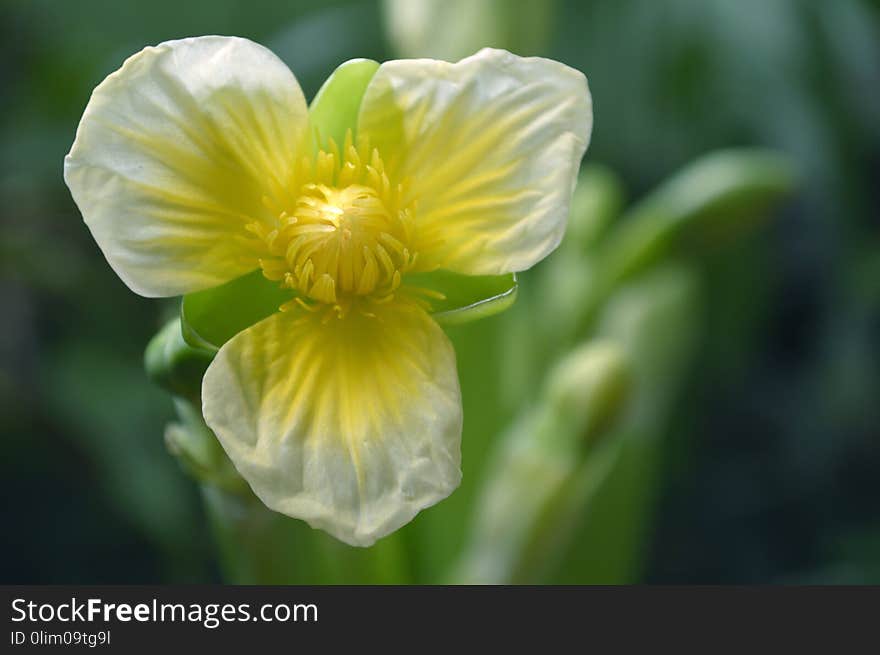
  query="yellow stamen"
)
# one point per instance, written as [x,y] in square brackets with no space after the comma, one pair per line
[346,236]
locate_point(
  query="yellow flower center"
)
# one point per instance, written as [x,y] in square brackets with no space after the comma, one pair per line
[344,242]
[342,234]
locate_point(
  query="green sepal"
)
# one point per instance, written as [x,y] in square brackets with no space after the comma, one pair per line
[335,107]
[467,297]
[174,364]
[212,317]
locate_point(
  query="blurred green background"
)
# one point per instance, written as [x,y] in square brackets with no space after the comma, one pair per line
[746,449]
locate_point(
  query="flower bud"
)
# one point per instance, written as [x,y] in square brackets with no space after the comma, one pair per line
[175,365]
[588,388]
[452,29]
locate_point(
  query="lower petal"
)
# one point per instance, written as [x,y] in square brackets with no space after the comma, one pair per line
[352,424]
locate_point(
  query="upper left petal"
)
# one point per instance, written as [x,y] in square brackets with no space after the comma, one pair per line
[176,151]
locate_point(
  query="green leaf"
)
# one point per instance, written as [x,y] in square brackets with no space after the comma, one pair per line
[337,103]
[597,200]
[467,297]
[711,200]
[212,317]
[528,502]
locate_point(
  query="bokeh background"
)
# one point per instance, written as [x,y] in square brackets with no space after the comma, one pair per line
[768,468]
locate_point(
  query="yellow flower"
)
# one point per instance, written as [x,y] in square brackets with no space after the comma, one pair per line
[195,163]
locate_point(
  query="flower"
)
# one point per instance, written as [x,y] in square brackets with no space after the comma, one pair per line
[196,163]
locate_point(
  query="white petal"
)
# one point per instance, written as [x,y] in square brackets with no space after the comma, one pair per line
[491,146]
[174,154]
[352,425]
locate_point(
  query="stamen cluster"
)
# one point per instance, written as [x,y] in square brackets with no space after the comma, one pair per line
[346,235]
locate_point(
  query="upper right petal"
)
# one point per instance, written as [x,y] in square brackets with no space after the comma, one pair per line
[177,151]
